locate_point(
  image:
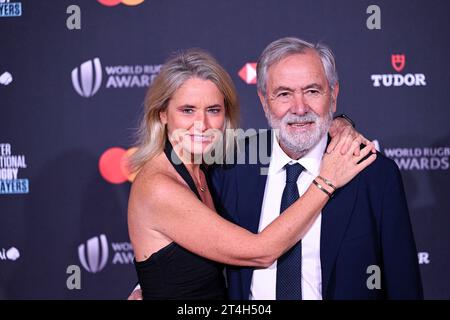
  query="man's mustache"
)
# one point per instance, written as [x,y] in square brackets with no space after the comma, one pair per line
[293,118]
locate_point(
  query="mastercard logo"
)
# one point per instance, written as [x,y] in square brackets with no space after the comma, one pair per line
[112,3]
[114,165]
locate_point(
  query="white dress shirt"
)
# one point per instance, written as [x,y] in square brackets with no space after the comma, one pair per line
[263,285]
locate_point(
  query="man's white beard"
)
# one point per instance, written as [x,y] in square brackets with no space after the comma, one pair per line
[299,144]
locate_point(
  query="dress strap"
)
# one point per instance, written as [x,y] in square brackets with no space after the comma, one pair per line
[180,167]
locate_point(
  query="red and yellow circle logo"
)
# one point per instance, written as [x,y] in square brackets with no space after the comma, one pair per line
[114,165]
[112,3]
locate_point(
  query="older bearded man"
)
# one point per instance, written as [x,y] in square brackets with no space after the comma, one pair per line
[364,227]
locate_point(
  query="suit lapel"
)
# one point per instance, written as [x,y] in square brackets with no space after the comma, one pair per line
[251,195]
[335,219]
[251,188]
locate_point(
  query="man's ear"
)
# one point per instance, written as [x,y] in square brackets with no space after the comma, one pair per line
[334,96]
[263,101]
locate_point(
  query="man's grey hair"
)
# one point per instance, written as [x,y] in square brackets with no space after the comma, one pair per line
[284,47]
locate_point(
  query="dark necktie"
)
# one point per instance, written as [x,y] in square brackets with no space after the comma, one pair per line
[289,265]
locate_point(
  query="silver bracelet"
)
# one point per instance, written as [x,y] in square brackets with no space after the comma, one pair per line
[322,188]
[328,182]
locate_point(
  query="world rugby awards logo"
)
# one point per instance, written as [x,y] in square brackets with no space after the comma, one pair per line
[94,255]
[87,78]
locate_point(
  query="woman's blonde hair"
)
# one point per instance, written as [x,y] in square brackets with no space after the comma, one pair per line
[192,63]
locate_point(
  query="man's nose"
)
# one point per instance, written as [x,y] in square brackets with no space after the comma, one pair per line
[299,106]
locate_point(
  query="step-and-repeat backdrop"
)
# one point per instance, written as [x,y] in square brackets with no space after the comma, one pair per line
[73,75]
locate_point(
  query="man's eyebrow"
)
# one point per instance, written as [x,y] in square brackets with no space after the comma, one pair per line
[313,86]
[309,86]
[282,88]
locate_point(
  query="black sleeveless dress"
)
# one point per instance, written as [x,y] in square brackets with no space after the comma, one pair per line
[173,272]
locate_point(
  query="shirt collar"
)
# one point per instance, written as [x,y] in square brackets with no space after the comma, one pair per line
[310,161]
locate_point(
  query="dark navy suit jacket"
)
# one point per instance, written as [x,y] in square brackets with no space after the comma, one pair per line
[365,223]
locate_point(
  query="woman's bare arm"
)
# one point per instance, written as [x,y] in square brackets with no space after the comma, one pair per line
[175,212]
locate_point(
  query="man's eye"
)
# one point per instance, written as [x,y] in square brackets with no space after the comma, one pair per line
[313,92]
[283,94]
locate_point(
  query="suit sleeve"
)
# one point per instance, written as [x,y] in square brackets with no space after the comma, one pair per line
[401,273]
[219,179]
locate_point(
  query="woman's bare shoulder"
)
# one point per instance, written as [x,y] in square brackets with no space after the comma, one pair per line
[156,181]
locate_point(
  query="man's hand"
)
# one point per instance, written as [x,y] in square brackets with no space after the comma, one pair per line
[136,294]
[343,130]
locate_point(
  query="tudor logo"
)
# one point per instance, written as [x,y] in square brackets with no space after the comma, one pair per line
[398,61]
